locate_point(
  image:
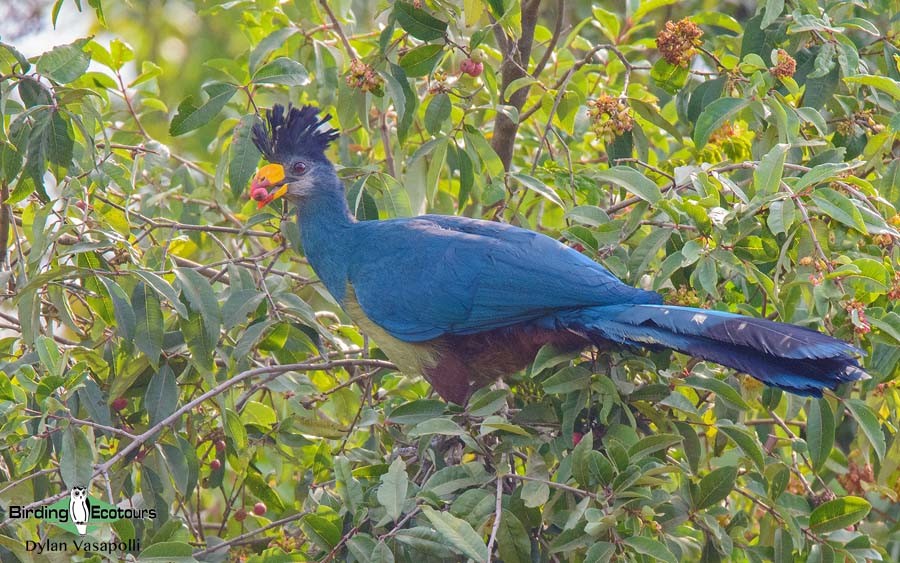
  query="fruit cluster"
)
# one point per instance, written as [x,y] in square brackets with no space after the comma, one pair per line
[678,41]
[363,77]
[610,117]
[785,65]
[471,67]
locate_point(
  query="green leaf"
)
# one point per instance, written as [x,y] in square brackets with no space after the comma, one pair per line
[487,401]
[200,295]
[65,63]
[148,336]
[715,487]
[714,116]
[321,531]
[513,542]
[773,10]
[393,489]
[869,424]
[781,216]
[240,304]
[706,275]
[76,458]
[632,180]
[234,429]
[669,77]
[419,23]
[165,290]
[424,540]
[261,490]
[192,114]
[819,432]
[648,6]
[124,313]
[767,176]
[417,411]
[168,552]
[437,112]
[838,514]
[567,380]
[650,547]
[271,42]
[443,426]
[244,155]
[839,207]
[458,533]
[820,173]
[421,60]
[883,83]
[161,397]
[282,71]
[746,441]
[651,444]
[728,393]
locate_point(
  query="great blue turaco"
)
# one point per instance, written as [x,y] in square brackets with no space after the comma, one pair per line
[465,301]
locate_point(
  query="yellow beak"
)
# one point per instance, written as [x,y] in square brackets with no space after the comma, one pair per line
[270,175]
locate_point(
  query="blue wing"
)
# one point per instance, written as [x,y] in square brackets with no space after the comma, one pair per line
[424,277]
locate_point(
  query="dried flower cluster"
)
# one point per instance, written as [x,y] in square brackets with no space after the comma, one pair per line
[678,41]
[854,478]
[610,117]
[683,296]
[364,77]
[785,65]
[857,313]
[894,292]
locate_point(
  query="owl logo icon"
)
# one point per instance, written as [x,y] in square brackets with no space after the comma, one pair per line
[79,509]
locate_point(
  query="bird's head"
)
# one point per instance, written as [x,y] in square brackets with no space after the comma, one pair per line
[294,144]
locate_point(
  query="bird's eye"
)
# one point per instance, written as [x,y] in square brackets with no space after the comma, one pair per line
[299,168]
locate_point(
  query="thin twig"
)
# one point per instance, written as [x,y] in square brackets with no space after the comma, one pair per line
[498,511]
[250,534]
[338,29]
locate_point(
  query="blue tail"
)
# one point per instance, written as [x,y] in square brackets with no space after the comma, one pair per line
[786,356]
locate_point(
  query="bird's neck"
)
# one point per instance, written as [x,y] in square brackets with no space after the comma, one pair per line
[326,231]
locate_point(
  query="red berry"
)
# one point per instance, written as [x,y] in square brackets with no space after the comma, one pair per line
[465,67]
[220,446]
[576,438]
[259,194]
[260,508]
[215,464]
[477,69]
[240,515]
[119,404]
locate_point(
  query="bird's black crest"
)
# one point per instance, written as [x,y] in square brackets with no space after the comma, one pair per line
[296,133]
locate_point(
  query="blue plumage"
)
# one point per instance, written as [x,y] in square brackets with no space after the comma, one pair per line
[464,301]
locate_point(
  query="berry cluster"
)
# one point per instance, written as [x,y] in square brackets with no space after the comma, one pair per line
[785,65]
[610,117]
[259,194]
[363,77]
[678,41]
[471,67]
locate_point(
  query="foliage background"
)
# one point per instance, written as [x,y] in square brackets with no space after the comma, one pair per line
[167,342]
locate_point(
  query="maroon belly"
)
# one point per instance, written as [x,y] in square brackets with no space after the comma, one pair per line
[469,362]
